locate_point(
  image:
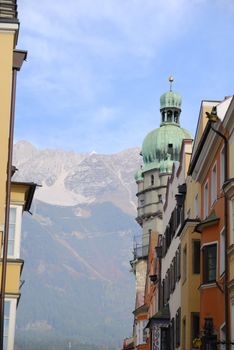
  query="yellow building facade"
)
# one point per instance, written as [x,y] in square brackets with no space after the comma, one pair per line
[9,27]
[190,268]
[190,249]
[13,195]
[21,199]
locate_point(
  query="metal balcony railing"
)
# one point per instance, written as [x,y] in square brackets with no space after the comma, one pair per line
[141,251]
[8,11]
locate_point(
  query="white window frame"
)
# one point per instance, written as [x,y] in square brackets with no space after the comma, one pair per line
[214,184]
[17,233]
[222,250]
[222,167]
[217,254]
[144,332]
[206,200]
[140,331]
[11,327]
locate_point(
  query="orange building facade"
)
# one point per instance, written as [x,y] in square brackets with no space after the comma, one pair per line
[184,266]
[208,169]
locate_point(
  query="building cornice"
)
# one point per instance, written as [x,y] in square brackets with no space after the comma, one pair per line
[153,188]
[186,224]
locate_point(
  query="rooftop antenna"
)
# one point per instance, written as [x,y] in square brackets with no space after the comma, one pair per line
[171,79]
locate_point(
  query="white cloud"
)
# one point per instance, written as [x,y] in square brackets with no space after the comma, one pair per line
[85,55]
[78,46]
[107,26]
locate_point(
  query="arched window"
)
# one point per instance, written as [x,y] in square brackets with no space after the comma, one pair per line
[169,116]
[152,180]
[170,150]
[163,116]
[176,117]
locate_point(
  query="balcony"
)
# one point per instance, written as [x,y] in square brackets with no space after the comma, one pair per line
[141,252]
[8,11]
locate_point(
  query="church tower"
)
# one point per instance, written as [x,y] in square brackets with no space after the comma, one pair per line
[160,149]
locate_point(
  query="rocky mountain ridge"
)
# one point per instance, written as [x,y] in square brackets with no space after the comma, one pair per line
[77,246]
[70,178]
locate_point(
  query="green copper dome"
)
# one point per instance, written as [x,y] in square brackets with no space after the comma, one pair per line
[163,144]
[161,147]
[170,99]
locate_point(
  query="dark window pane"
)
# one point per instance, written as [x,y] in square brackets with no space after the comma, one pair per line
[195,319]
[196,256]
[177,328]
[209,263]
[165,339]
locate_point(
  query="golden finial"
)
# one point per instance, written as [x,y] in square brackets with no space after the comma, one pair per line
[171,79]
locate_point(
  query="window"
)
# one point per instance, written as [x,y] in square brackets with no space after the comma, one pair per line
[195,319]
[163,293]
[184,334]
[178,272]
[141,333]
[184,263]
[196,214]
[169,116]
[174,272]
[170,150]
[188,214]
[172,334]
[177,331]
[152,180]
[223,336]
[196,256]
[209,263]
[214,185]
[165,337]
[222,167]
[222,252]
[11,237]
[178,216]
[144,323]
[206,201]
[6,324]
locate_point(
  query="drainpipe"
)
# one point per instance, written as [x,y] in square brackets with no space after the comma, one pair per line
[227,340]
[18,58]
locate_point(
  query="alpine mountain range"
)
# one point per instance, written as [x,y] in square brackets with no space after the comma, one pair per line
[77,244]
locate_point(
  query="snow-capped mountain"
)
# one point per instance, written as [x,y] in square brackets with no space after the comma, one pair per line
[77,246]
[70,178]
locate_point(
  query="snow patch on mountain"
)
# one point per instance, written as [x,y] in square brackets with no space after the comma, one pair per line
[70,178]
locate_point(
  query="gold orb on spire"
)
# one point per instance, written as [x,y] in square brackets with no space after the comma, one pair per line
[171,79]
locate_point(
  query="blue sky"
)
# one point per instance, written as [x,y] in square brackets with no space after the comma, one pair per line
[96,68]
